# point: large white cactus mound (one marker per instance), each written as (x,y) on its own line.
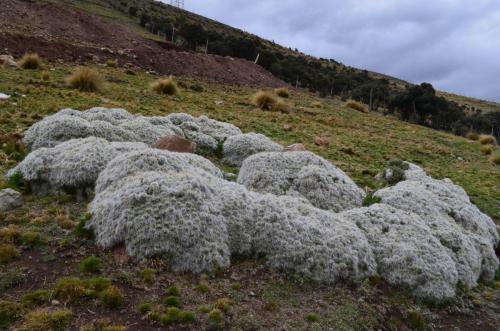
(72,165)
(468,235)
(301,174)
(119,125)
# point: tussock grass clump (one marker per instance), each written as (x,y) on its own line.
(215,319)
(187,317)
(495,158)
(10,233)
(8,252)
(145,308)
(317,104)
(112,297)
(112,63)
(30,61)
(91,264)
(224,304)
(148,276)
(36,298)
(45,319)
(97,284)
(486,139)
(171,316)
(172,301)
(45,76)
(312,317)
(356,106)
(86,80)
(282,92)
(31,239)
(202,288)
(173,291)
(486,149)
(471,135)
(70,289)
(9,313)
(282,107)
(264,100)
(166,86)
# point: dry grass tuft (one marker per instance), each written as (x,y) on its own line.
(282,107)
(30,61)
(265,100)
(471,135)
(356,106)
(485,139)
(486,149)
(8,252)
(166,86)
(112,63)
(282,92)
(85,80)
(45,319)
(495,158)
(317,104)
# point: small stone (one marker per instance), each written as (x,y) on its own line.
(322,141)
(175,143)
(295,148)
(8,61)
(287,127)
(10,199)
(55,302)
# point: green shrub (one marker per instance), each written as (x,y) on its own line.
(173,291)
(370,199)
(215,319)
(145,308)
(31,239)
(37,298)
(148,276)
(202,288)
(187,317)
(81,231)
(16,182)
(312,317)
(97,284)
(85,80)
(166,86)
(91,264)
(171,316)
(9,313)
(70,289)
(45,319)
(30,61)
(8,252)
(112,297)
(172,301)
(112,63)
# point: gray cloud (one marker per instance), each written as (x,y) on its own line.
(453,44)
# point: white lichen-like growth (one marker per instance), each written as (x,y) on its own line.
(468,234)
(301,174)
(237,148)
(72,165)
(197,220)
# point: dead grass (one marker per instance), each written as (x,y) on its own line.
(495,158)
(86,80)
(166,86)
(112,63)
(46,320)
(8,252)
(264,100)
(485,139)
(30,61)
(282,92)
(486,149)
(356,106)
(471,135)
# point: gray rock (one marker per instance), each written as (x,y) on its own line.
(10,199)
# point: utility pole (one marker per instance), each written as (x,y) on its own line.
(173,33)
(206,48)
(371,98)
(177,3)
(257,58)
(297,82)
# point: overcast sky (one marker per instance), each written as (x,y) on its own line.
(453,44)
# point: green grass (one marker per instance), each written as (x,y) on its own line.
(375,139)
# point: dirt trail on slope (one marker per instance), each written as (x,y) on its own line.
(62,32)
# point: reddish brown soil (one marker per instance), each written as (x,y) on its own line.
(62,32)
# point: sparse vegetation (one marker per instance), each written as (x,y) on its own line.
(495,158)
(86,80)
(30,61)
(36,298)
(112,63)
(46,319)
(172,301)
(312,317)
(215,319)
(166,86)
(8,252)
(370,199)
(471,135)
(112,297)
(282,92)
(145,308)
(91,264)
(148,276)
(356,106)
(9,313)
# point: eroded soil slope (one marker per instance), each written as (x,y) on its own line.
(63,32)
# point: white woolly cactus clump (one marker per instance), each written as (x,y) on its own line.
(468,235)
(120,125)
(301,174)
(197,220)
(237,148)
(72,165)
